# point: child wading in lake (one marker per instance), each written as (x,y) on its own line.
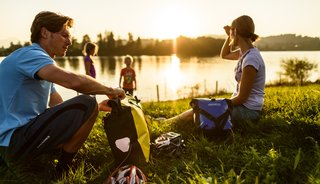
(90,49)
(129,76)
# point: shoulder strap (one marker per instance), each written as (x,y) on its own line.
(242,58)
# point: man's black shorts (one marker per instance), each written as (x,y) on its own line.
(50,129)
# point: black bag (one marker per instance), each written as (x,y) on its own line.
(127,132)
(213,116)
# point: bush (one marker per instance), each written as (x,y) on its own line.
(297,69)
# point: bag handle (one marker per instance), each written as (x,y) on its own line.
(134,101)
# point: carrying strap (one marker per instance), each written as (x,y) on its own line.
(220,121)
(116,105)
(242,58)
(134,101)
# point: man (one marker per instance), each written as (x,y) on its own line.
(28,76)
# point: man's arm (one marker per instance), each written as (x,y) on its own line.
(78,82)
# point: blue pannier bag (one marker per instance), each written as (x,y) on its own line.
(213,117)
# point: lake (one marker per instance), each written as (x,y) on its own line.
(169,77)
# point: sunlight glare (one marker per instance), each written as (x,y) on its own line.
(173,22)
(173,74)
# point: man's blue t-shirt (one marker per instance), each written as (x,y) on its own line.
(23,96)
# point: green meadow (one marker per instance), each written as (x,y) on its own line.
(281,148)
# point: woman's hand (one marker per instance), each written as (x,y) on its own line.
(227,29)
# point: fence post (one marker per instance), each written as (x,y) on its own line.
(216,87)
(158,98)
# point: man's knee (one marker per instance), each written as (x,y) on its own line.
(92,104)
(89,102)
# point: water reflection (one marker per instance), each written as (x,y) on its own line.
(74,62)
(139,61)
(176,78)
(103,64)
(112,65)
(173,75)
(60,61)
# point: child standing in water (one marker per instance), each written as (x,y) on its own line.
(129,76)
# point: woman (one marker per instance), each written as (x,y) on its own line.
(248,98)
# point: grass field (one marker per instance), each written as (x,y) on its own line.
(281,148)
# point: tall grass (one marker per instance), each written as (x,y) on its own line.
(281,148)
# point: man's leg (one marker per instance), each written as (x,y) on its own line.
(71,146)
(65,126)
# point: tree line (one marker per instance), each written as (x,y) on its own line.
(289,42)
(203,46)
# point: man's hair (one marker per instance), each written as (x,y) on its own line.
(51,21)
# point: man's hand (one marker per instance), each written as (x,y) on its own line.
(103,106)
(117,93)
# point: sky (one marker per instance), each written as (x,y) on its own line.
(162,19)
